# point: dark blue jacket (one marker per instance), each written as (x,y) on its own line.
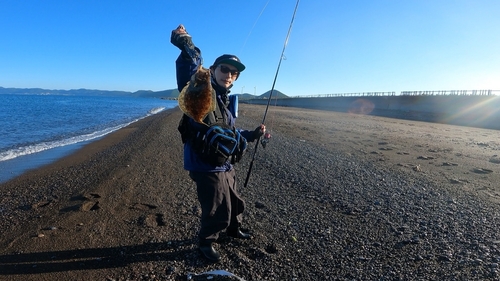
(185,68)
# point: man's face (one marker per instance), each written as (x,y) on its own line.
(225,75)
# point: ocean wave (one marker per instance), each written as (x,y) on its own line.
(156,110)
(39,147)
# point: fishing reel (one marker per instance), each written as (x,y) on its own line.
(265,139)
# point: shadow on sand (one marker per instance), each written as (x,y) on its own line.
(95,258)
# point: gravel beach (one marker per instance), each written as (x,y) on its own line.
(333,196)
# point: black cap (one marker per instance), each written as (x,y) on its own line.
(231,60)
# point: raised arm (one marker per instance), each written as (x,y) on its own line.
(190,57)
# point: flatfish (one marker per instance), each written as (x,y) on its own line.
(197,98)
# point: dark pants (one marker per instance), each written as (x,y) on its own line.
(221,205)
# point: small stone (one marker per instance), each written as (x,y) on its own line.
(259,205)
(444,258)
(170,270)
(415,240)
(477,262)
(272,249)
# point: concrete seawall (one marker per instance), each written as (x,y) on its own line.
(465,110)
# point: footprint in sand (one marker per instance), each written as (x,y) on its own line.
(143,206)
(89,203)
(481,171)
(89,206)
(425,157)
(152,220)
(495,159)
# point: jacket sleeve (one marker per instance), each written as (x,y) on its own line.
(248,135)
(186,66)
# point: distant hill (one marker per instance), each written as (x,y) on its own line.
(81,92)
(276,94)
(168,94)
(245,96)
(165,94)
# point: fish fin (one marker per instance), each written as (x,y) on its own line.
(213,101)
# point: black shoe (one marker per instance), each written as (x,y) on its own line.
(209,252)
(236,233)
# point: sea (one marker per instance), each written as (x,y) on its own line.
(37,129)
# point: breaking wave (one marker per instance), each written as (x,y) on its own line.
(42,146)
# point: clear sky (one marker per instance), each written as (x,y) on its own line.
(335,46)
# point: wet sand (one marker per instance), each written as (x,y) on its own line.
(333,196)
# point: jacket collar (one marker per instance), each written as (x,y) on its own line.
(222,92)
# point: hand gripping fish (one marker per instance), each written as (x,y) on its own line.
(197,98)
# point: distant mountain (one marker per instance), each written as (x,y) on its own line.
(168,94)
(245,96)
(81,92)
(165,94)
(276,95)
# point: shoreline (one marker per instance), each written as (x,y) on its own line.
(15,167)
(333,196)
(74,153)
(12,168)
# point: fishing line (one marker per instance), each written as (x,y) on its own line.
(255,23)
(271,93)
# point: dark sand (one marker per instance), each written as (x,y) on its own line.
(333,196)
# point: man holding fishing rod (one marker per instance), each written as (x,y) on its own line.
(215,179)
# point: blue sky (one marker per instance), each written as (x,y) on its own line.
(336,46)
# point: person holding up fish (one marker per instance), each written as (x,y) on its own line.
(212,144)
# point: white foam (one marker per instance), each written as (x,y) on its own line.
(156,110)
(39,147)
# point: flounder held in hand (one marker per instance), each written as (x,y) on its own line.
(197,98)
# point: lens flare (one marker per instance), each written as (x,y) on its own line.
(469,111)
(361,106)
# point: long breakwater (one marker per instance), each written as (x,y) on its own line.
(474,108)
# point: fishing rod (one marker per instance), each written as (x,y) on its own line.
(271,93)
